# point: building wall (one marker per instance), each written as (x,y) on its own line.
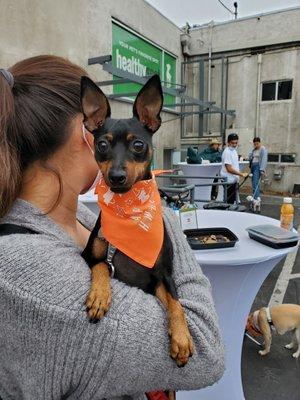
(277,123)
(80,29)
(148,22)
(261,30)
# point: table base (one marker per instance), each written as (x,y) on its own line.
(233,293)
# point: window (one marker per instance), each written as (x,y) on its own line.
(273,157)
(288,158)
(285,90)
(277,90)
(268,91)
(282,158)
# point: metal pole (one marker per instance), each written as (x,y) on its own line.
(226,100)
(201,96)
(235,4)
(182,101)
(222,97)
(259,62)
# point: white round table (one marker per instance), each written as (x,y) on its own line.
(236,274)
(204,170)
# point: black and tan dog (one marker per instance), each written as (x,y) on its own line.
(123,151)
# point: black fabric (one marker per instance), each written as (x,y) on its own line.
(87,253)
(11,229)
(216,205)
(232,193)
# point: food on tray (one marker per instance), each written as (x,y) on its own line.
(209,239)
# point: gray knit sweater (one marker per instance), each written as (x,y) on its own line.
(48,348)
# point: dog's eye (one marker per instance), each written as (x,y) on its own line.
(102,146)
(138,146)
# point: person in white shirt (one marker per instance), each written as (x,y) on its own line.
(230,167)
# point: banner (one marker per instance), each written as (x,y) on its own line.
(133,54)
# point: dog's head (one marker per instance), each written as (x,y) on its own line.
(250,321)
(250,326)
(123,147)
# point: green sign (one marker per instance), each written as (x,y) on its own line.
(133,54)
(169,76)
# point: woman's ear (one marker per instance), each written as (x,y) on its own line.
(148,104)
(94,103)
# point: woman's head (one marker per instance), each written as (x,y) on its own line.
(256,143)
(36,117)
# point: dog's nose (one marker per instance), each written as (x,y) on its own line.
(117,177)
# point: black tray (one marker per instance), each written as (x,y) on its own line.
(190,233)
(272,244)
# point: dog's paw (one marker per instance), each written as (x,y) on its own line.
(98,302)
(296,355)
(263,352)
(171,395)
(182,347)
(289,346)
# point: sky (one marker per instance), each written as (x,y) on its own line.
(203,11)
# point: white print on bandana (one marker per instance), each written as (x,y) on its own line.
(136,210)
(148,215)
(142,218)
(107,197)
(143,196)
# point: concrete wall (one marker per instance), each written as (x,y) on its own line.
(79,29)
(32,27)
(276,122)
(261,30)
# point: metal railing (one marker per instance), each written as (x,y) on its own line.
(181,188)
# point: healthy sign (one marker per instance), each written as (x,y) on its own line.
(136,55)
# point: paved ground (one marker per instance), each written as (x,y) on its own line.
(277,375)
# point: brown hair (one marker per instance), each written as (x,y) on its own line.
(34,117)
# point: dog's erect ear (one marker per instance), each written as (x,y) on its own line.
(94,103)
(148,104)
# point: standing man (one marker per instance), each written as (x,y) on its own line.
(258,159)
(230,167)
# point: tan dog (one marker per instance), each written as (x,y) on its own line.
(283,318)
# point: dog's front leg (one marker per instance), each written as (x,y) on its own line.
(266,331)
(99,297)
(267,344)
(182,346)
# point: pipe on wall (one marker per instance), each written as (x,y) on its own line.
(209,73)
(259,63)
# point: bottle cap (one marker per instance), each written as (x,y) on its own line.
(288,200)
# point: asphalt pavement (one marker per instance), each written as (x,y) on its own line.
(275,376)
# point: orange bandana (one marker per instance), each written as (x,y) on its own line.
(132,221)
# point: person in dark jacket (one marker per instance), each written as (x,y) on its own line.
(211,153)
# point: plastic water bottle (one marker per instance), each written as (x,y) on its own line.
(287,213)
